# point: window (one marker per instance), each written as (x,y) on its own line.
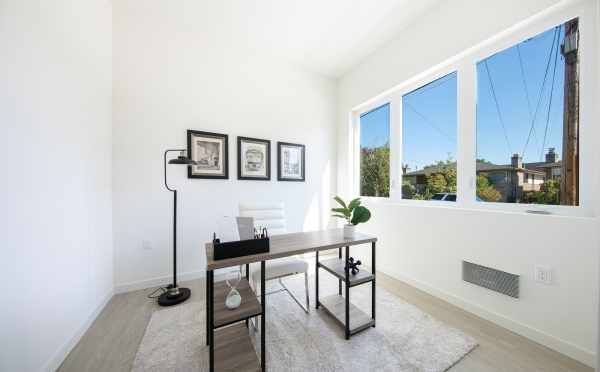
(528,120)
(493,128)
(375,152)
(429,141)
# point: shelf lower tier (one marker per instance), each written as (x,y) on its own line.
(234,350)
(335,305)
(250,306)
(335,266)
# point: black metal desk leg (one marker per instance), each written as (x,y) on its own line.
(248,279)
(317,280)
(347,282)
(373,283)
(263,330)
(211,315)
(207,308)
(340,280)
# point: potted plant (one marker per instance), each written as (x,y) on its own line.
(353,213)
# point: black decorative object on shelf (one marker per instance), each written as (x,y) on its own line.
(353,266)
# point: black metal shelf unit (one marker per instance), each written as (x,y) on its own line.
(221,322)
(339,306)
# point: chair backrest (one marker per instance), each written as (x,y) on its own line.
(269,215)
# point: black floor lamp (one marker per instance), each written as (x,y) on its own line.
(175,295)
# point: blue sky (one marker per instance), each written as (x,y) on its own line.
(429,113)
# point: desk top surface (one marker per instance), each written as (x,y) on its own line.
(286,245)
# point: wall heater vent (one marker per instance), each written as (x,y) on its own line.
(489,278)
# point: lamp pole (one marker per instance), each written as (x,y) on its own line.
(174,294)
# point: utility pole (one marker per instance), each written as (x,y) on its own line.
(569,180)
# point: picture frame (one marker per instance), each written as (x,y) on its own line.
(291,161)
(253,159)
(211,152)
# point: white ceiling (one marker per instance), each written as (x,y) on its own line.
(325,36)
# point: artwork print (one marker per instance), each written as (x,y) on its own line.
(291,158)
(254,159)
(210,152)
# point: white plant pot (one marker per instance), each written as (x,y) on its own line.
(349,231)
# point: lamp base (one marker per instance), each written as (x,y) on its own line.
(174,296)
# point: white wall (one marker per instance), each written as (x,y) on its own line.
(172,72)
(56,270)
(425,245)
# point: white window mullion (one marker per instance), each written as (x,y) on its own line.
(355,154)
(396,148)
(467,133)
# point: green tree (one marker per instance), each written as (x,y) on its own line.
(549,193)
(486,191)
(441,179)
(408,190)
(375,171)
(436,183)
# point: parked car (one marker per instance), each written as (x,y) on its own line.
(445,196)
(450,196)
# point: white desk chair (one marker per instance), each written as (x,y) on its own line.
(272,216)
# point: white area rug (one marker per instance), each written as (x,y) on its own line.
(405,338)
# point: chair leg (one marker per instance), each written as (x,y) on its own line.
(306,309)
(306,290)
(254,320)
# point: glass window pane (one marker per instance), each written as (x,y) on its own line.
(375,152)
(429,140)
(527,102)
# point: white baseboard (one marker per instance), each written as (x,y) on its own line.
(564,347)
(158,281)
(60,355)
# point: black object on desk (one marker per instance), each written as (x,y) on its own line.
(239,248)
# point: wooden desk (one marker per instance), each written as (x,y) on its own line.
(232,349)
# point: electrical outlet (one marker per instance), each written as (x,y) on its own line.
(543,274)
(146,245)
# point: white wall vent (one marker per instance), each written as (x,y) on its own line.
(486,277)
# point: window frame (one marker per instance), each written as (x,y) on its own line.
(356,114)
(465,66)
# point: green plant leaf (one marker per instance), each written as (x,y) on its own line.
(360,215)
(354,203)
(340,201)
(343,211)
(339,215)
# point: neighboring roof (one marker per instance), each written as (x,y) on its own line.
(487,167)
(432,169)
(542,164)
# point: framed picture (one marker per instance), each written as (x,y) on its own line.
(210,151)
(254,159)
(290,161)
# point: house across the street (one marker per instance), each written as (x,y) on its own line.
(511,180)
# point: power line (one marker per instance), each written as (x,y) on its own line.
(527,89)
(555,38)
(497,105)
(523,78)
(429,86)
(429,122)
(550,101)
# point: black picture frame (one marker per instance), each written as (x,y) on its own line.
(210,137)
(267,159)
(280,159)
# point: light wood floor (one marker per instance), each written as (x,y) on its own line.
(113,339)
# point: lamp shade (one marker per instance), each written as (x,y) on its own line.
(183,160)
